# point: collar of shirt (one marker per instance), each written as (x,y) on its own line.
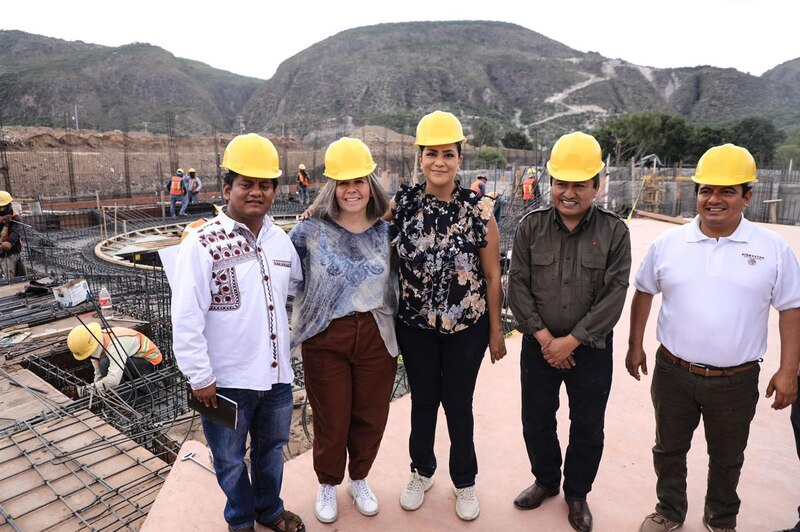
(423,193)
(742,233)
(584,223)
(229,224)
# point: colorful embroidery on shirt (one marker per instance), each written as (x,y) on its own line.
(225,295)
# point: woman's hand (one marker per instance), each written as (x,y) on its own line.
(497,346)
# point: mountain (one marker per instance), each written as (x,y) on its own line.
(42,79)
(391,74)
(387,74)
(788,72)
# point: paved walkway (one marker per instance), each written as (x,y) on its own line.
(624,491)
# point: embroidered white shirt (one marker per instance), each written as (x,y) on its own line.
(229,317)
(717,292)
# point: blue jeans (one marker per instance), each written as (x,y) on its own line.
(266,416)
(172,201)
(303,195)
(588,385)
(442,369)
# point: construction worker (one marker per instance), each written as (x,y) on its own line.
(479,185)
(10,237)
(302,183)
(718,276)
(177,191)
(231,333)
(567,284)
(192,185)
(530,187)
(117,355)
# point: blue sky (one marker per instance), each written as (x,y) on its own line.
(253,37)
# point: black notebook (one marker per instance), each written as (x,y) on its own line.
(226,414)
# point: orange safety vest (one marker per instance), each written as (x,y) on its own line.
(176,186)
(147,349)
(527,188)
(476,186)
(302,180)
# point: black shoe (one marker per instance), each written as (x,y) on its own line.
(533,496)
(579,517)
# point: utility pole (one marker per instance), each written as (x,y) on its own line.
(145,126)
(77,127)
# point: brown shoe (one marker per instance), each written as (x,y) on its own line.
(579,517)
(532,497)
(716,528)
(656,522)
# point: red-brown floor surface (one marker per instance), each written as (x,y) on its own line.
(623,493)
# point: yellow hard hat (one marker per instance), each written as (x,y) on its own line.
(179,171)
(252,155)
(82,340)
(5,198)
(531,170)
(192,171)
(725,165)
(575,157)
(301,166)
(438,128)
(348,158)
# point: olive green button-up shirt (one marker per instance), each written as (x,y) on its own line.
(570,282)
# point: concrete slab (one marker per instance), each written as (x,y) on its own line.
(624,491)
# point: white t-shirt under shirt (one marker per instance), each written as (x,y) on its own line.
(716,293)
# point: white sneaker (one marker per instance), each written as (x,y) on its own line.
(365,500)
(467,503)
(414,493)
(326,510)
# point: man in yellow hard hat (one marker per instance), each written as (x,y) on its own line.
(567,284)
(302,183)
(718,277)
(530,187)
(231,332)
(117,355)
(10,237)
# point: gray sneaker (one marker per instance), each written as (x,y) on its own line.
(656,522)
(414,493)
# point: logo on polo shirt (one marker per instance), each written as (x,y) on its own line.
(752,260)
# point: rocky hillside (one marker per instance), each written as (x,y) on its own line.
(387,74)
(43,79)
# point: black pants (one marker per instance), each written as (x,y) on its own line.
(588,385)
(727,406)
(442,369)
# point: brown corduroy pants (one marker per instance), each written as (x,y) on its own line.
(349,376)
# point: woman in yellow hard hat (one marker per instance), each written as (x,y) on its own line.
(10,238)
(449,307)
(302,183)
(343,323)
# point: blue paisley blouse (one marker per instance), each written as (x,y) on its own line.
(442,287)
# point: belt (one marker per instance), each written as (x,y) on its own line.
(706,371)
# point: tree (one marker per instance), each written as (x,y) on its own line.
(489,158)
(517,140)
(485,133)
(759,136)
(705,137)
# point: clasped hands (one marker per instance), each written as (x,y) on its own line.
(558,352)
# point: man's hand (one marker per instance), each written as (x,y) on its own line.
(784,384)
(5,246)
(207,395)
(559,351)
(636,359)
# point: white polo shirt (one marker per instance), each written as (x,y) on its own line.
(716,294)
(229,318)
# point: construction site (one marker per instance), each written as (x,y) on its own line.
(95,216)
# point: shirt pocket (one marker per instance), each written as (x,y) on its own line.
(544,271)
(594,270)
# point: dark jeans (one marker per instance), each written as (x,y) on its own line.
(265,415)
(349,378)
(442,369)
(588,386)
(727,406)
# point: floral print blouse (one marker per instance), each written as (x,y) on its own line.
(442,287)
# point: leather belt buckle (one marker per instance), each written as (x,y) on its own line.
(703,369)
